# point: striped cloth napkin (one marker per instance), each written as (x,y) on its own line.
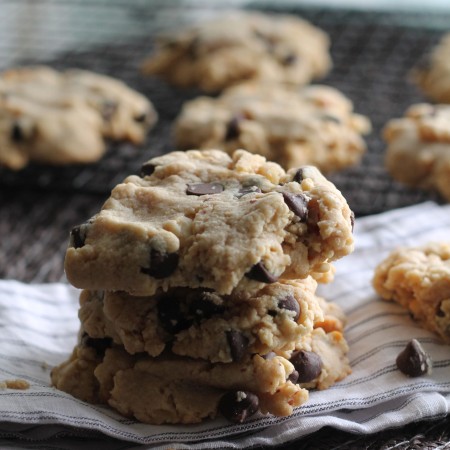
(38,327)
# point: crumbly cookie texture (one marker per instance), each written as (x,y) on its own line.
(241,46)
(419,279)
(418,152)
(433,75)
(202,324)
(203,219)
(63,117)
(310,125)
(176,389)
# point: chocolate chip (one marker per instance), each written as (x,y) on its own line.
(238,406)
(171,316)
(98,344)
(248,190)
(147,169)
(233,130)
(78,235)
(291,304)
(259,273)
(17,134)
(298,176)
(109,108)
(307,364)
(439,311)
(141,118)
(238,344)
(204,188)
(330,118)
(352,219)
(293,377)
(161,264)
(413,361)
(207,305)
(298,204)
(290,59)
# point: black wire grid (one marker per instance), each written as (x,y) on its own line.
(373,54)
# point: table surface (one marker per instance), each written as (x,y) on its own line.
(373,53)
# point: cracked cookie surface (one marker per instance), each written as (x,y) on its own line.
(203,219)
(419,279)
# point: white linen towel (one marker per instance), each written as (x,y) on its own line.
(39,324)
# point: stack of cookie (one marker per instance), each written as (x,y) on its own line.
(199,281)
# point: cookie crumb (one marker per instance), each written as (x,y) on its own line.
(15,384)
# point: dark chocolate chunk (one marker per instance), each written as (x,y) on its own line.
(290,59)
(238,406)
(161,264)
(330,118)
(352,219)
(17,134)
(298,176)
(141,118)
(171,316)
(291,304)
(259,273)
(238,344)
(98,344)
(439,311)
(206,305)
(233,131)
(109,108)
(204,188)
(413,360)
(307,364)
(147,169)
(298,204)
(293,377)
(248,190)
(78,236)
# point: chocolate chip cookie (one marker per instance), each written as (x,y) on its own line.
(433,74)
(207,220)
(240,46)
(418,152)
(203,324)
(419,279)
(63,117)
(177,389)
(311,125)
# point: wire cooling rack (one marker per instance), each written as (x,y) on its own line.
(373,54)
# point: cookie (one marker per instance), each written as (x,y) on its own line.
(311,125)
(203,324)
(419,279)
(63,117)
(176,389)
(433,74)
(207,220)
(240,46)
(418,151)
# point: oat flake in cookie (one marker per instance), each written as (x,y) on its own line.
(239,46)
(419,279)
(292,126)
(418,152)
(203,219)
(63,117)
